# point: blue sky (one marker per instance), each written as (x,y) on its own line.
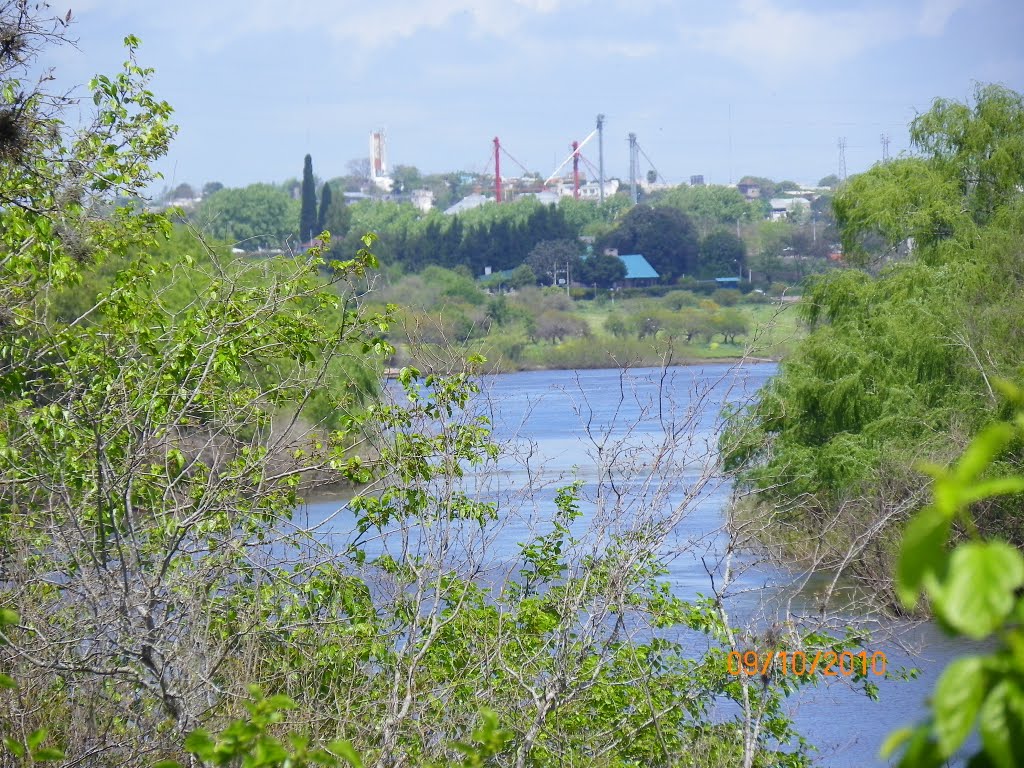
(725,88)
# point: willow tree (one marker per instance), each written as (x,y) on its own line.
(904,343)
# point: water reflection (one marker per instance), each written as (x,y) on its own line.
(560,426)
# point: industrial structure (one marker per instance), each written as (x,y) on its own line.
(578,183)
(379,161)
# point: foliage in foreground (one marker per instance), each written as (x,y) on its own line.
(156,560)
(974,588)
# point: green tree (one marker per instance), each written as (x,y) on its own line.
(769,241)
(256,217)
(899,362)
(694,323)
(554,261)
(730,323)
(664,236)
(769,188)
(308,213)
(602,269)
(711,207)
(722,254)
(522,276)
(978,146)
(324,210)
(183,192)
(406,178)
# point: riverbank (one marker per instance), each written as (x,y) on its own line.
(545,329)
(393,373)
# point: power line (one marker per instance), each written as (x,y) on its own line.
(650,162)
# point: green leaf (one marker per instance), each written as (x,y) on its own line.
(922,752)
(6,681)
(167,764)
(978,591)
(16,748)
(986,489)
(48,755)
(199,742)
(983,448)
(36,738)
(922,552)
(7,616)
(958,696)
(346,751)
(894,741)
(1002,725)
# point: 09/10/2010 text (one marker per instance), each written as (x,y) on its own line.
(828,663)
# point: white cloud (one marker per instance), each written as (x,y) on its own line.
(214,25)
(776,38)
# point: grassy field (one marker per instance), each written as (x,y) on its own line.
(772,330)
(441,313)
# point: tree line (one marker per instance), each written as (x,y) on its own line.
(699,232)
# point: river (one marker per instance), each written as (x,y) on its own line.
(556,418)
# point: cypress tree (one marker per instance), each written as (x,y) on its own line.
(325,208)
(307,215)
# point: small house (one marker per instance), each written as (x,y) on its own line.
(639,271)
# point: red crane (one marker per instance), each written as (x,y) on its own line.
(575,157)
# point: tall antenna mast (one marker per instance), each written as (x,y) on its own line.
(885,147)
(576,170)
(633,163)
(600,157)
(842,158)
(497,170)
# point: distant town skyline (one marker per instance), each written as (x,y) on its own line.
(725,89)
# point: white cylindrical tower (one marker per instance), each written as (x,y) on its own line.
(378,154)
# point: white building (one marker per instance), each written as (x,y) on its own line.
(784,207)
(423,199)
(467,203)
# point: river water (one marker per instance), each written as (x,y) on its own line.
(561,425)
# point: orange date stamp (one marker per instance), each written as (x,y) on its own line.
(827,663)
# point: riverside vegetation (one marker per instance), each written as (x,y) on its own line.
(161,603)
(911,352)
(903,349)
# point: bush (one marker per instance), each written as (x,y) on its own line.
(679,299)
(505,351)
(616,325)
(727,297)
(555,326)
(538,300)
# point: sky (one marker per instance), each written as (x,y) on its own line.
(723,89)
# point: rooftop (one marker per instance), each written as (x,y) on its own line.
(637,267)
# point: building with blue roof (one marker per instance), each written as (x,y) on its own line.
(638,269)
